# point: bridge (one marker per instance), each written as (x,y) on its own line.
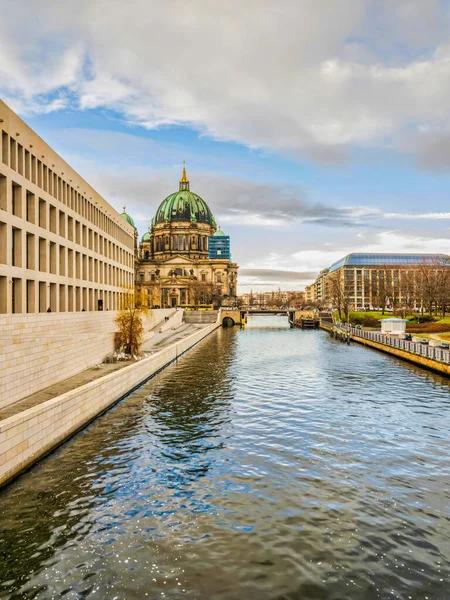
(297,318)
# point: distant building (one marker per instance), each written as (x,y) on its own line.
(319,286)
(219,246)
(275,298)
(370,280)
(310,293)
(184,258)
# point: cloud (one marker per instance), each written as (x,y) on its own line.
(277,275)
(140,172)
(311,261)
(233,200)
(418,217)
(433,152)
(301,77)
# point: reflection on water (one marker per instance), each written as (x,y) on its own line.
(267,463)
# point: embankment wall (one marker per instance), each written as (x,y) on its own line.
(38,350)
(27,436)
(421,361)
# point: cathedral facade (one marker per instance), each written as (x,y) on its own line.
(184,259)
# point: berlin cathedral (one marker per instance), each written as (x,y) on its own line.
(184,259)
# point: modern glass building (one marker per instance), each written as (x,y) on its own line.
(371,260)
(219,246)
(375,280)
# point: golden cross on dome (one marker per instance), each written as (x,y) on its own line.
(184,181)
(184,178)
(124,208)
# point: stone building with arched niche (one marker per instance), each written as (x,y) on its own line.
(184,258)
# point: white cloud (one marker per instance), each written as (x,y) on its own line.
(315,260)
(418,217)
(297,76)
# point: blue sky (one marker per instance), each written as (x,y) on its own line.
(311,129)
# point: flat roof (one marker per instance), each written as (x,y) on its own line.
(389,260)
(394,319)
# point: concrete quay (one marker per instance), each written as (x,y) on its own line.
(40,349)
(433,359)
(37,424)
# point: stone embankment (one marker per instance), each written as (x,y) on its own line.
(38,423)
(41,349)
(433,358)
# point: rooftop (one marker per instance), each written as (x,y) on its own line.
(389,260)
(393,320)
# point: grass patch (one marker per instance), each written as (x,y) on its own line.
(372,318)
(369,318)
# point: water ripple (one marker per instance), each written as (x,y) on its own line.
(266,463)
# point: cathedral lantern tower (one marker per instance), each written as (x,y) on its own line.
(184,181)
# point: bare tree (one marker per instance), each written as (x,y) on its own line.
(434,286)
(202,292)
(296,299)
(339,294)
(408,290)
(130,329)
(383,291)
(443,289)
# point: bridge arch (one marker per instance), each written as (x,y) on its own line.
(228,322)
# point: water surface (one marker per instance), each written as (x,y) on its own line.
(266,464)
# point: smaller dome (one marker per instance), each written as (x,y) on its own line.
(219,233)
(127,217)
(146,237)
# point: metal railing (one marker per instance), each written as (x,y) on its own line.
(433,353)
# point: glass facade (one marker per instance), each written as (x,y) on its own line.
(374,260)
(219,247)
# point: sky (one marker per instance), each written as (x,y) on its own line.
(311,128)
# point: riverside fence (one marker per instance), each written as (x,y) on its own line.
(416,348)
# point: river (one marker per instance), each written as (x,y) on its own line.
(266,463)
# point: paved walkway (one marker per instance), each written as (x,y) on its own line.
(156,343)
(160,340)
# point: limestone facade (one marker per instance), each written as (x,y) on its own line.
(62,246)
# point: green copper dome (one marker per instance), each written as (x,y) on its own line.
(219,233)
(127,218)
(146,237)
(184,205)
